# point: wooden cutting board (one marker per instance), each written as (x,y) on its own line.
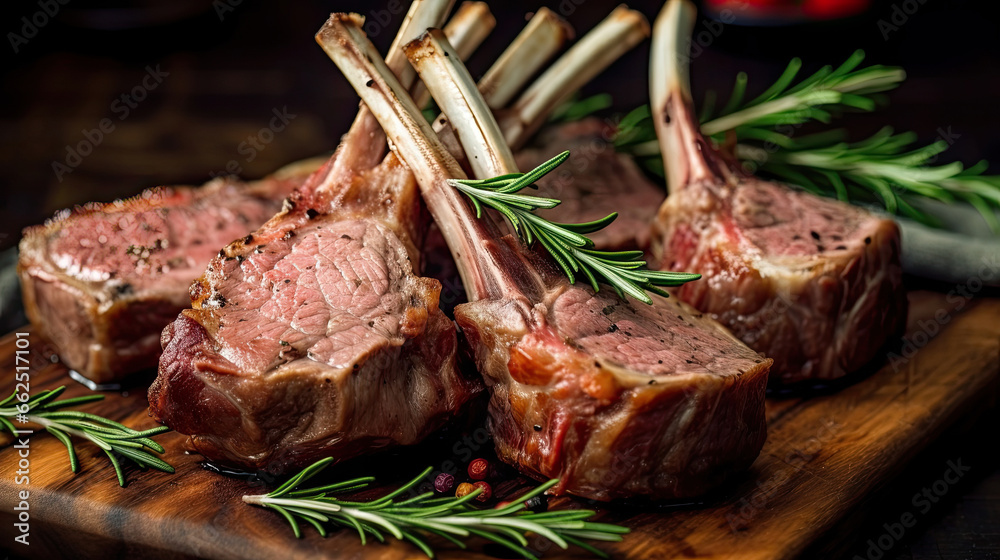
(824,454)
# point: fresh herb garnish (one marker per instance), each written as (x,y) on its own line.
(414,518)
(814,98)
(576,108)
(567,243)
(818,97)
(885,169)
(112,437)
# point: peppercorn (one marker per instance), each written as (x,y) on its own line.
(479,469)
(444,482)
(538,504)
(464,489)
(486,493)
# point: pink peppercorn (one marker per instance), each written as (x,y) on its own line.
(486,493)
(479,469)
(444,482)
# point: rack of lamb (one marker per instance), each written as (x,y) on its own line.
(614,398)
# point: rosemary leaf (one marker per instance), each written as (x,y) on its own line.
(112,437)
(413,519)
(567,243)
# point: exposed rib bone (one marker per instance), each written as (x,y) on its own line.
(670,91)
(486,149)
(422,14)
(418,145)
(364,144)
(454,89)
(467,29)
(539,41)
(668,57)
(613,37)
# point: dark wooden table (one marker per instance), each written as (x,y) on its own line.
(830,457)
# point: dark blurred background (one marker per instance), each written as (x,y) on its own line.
(229,63)
(202,77)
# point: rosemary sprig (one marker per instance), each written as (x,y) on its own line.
(576,108)
(883,168)
(568,244)
(413,519)
(829,89)
(112,437)
(818,97)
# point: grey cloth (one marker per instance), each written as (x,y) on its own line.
(966,252)
(11,311)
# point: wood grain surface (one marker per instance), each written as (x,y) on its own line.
(824,454)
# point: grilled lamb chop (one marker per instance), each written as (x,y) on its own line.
(314,337)
(813,283)
(102,281)
(594,179)
(615,400)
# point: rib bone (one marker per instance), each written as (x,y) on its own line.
(428,55)
(539,41)
(670,91)
(467,29)
(613,37)
(363,145)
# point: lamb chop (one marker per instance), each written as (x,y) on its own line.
(813,283)
(101,281)
(612,398)
(314,336)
